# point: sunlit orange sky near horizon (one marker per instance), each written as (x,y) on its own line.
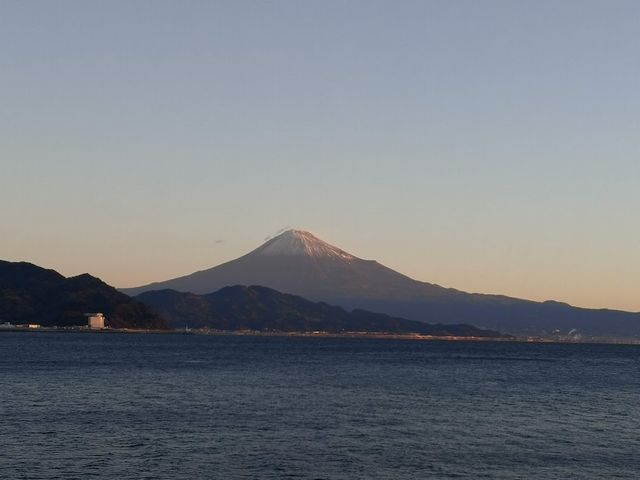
(488,146)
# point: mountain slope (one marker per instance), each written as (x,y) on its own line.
(31,294)
(265,309)
(297,262)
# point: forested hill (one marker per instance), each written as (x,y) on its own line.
(265,309)
(32,294)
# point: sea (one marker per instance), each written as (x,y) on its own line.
(171,406)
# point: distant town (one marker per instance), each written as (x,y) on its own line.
(97,323)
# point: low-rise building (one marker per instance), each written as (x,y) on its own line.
(95,320)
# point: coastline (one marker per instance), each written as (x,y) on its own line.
(373,335)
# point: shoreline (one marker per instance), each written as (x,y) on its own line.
(374,335)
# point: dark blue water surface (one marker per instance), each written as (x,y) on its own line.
(115,406)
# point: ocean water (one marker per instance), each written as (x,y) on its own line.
(116,406)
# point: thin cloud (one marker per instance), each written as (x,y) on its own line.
(282,230)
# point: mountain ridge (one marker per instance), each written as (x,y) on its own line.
(351,282)
(260,308)
(33,294)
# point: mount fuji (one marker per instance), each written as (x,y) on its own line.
(297,262)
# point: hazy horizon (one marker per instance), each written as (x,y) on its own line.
(489,146)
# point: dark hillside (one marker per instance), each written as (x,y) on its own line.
(264,309)
(31,294)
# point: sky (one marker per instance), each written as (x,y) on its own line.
(488,146)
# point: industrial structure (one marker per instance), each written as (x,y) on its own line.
(95,320)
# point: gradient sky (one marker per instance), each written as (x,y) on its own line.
(491,146)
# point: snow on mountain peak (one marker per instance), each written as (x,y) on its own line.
(300,243)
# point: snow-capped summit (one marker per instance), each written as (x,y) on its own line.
(300,243)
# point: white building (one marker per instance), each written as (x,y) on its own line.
(95,320)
